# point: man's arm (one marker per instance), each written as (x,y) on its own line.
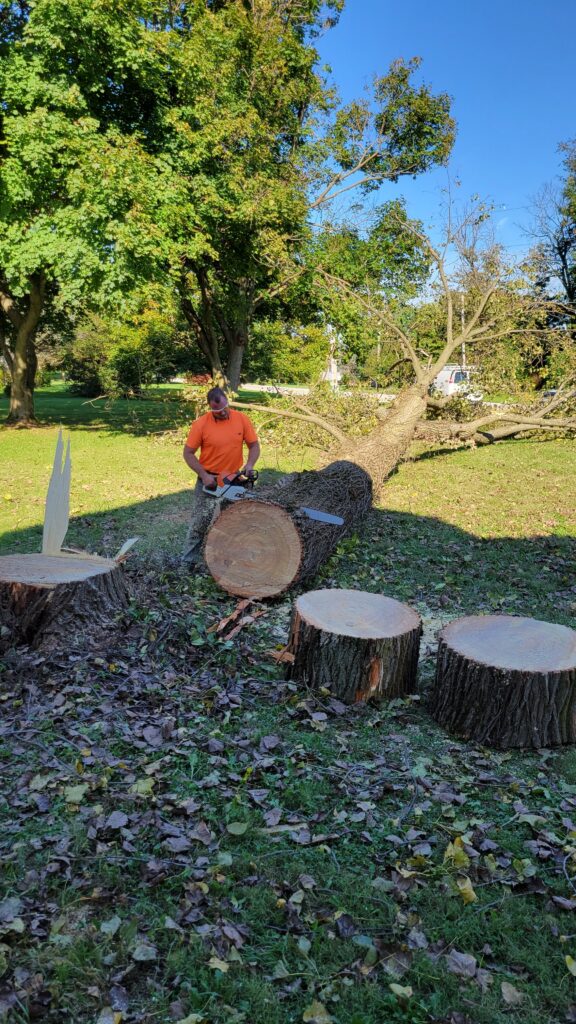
(190,459)
(253,456)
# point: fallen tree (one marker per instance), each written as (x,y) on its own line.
(495,309)
(267,542)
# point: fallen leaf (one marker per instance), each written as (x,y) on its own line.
(571,964)
(111,927)
(202,834)
(218,965)
(75,794)
(143,787)
(109,1016)
(237,828)
(462,964)
(38,783)
(144,952)
(10,908)
(403,993)
(465,889)
(178,844)
(116,820)
(317,1013)
(511,995)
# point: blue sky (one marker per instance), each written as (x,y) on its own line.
(510,68)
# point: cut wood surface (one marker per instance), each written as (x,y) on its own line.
(357,645)
(263,544)
(42,596)
(506,681)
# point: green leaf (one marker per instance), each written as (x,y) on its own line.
(317,1013)
(75,794)
(237,828)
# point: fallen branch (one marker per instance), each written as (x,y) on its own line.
(342,438)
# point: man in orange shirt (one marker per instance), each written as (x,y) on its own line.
(220,435)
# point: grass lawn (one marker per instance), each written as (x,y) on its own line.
(186,837)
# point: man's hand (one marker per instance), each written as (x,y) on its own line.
(247,471)
(209,481)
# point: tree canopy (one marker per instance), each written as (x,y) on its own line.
(190,142)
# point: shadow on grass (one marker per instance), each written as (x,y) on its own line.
(159,412)
(420,560)
(160,523)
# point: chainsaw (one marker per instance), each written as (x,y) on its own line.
(235,487)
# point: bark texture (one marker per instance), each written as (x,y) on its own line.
(357,645)
(380,452)
(506,681)
(264,544)
(44,597)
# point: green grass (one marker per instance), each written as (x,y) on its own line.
(250,922)
(127,461)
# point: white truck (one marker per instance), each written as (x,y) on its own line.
(454,380)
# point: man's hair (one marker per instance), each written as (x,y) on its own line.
(216,395)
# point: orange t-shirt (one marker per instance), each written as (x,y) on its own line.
(221,442)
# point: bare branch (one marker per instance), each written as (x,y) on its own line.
(381,315)
(309,418)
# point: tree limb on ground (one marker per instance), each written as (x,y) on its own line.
(309,418)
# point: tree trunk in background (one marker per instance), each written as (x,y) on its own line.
(24,359)
(23,374)
(236,352)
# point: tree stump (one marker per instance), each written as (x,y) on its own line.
(506,681)
(263,544)
(357,645)
(45,596)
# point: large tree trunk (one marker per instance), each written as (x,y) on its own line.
(380,452)
(360,646)
(23,360)
(506,681)
(47,597)
(264,543)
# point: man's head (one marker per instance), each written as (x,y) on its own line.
(218,403)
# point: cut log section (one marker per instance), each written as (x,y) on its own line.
(263,544)
(506,681)
(355,644)
(44,596)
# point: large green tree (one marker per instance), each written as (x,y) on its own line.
(75,175)
(194,141)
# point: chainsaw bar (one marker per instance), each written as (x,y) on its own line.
(321,517)
(234,493)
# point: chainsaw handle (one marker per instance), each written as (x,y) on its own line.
(243,479)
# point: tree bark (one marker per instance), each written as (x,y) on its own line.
(506,681)
(46,597)
(357,645)
(380,452)
(236,352)
(23,363)
(264,543)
